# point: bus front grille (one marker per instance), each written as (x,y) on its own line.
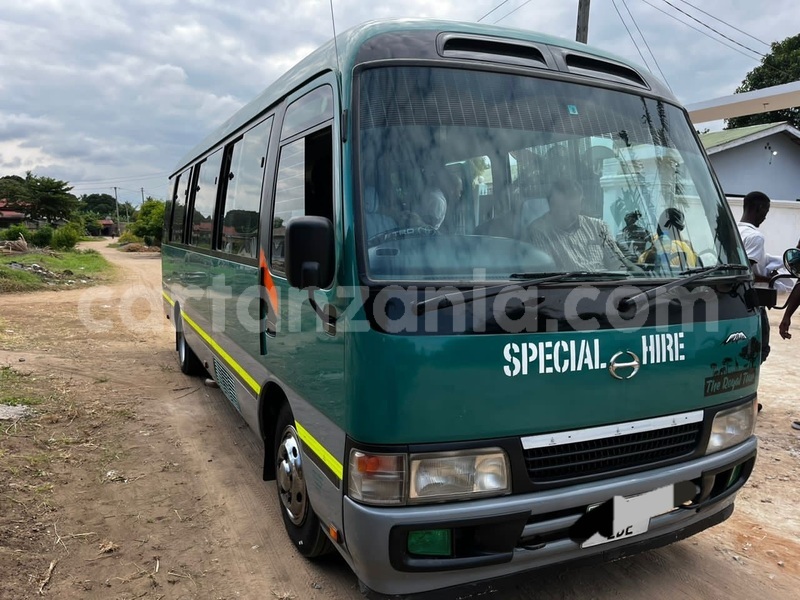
(555,463)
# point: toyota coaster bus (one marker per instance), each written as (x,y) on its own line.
(480,293)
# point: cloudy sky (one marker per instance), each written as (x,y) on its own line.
(105,93)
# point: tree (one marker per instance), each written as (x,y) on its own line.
(102,204)
(126,211)
(91,222)
(781,65)
(12,188)
(150,220)
(39,197)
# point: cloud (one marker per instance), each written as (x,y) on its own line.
(95,90)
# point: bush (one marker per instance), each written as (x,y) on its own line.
(12,233)
(93,227)
(128,237)
(42,237)
(150,221)
(65,238)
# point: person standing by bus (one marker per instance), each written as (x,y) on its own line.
(755,209)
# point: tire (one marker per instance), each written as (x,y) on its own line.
(187,359)
(302,524)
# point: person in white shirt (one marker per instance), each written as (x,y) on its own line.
(756,207)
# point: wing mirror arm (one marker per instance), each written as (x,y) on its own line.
(768,296)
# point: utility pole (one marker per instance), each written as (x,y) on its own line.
(142,195)
(582,31)
(116,202)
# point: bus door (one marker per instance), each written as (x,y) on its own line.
(303,350)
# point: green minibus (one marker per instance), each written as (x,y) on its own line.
(480,294)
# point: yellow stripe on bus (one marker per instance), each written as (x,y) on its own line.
(334,465)
(227,357)
(318,449)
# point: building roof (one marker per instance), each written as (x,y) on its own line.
(9,214)
(717,141)
(776,97)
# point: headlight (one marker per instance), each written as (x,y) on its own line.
(454,475)
(731,427)
(383,479)
(377,478)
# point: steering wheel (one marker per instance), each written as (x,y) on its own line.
(399,234)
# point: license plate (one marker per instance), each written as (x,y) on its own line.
(632,514)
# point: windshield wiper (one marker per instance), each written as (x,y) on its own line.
(526,279)
(690,276)
(571,275)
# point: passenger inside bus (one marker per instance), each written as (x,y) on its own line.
(430,208)
(667,248)
(573,240)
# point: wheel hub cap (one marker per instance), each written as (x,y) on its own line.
(291,484)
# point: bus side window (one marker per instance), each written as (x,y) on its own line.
(172,193)
(180,201)
(304,183)
(242,199)
(304,186)
(205,200)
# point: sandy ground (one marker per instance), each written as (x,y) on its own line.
(135,481)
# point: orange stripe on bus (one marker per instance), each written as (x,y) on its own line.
(272,293)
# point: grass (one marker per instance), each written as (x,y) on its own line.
(82,263)
(12,280)
(15,390)
(20,401)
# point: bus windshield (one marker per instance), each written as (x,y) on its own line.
(471,175)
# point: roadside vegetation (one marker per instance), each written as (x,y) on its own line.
(41,269)
(144,233)
(51,216)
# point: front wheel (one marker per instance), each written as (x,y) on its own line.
(302,524)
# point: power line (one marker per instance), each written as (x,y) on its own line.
(697,8)
(512,12)
(491,11)
(644,39)
(127,178)
(763,61)
(719,33)
(671,16)
(619,14)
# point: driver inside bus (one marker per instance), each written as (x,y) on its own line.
(574,241)
(431,208)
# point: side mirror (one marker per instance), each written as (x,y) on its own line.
(309,252)
(791,260)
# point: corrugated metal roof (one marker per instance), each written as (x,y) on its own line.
(717,138)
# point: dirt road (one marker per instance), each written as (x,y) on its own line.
(151,482)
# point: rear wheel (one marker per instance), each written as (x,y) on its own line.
(190,364)
(302,524)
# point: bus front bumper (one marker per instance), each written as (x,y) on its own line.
(498,537)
